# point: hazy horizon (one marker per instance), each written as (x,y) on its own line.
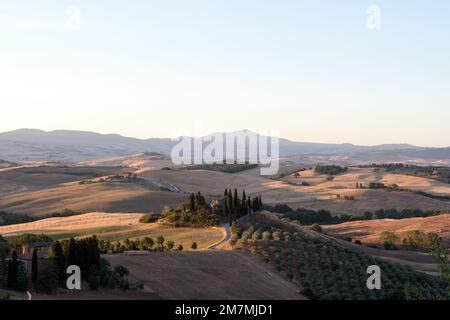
(211,132)
(313,71)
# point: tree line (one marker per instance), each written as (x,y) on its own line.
(306,216)
(145,244)
(331,170)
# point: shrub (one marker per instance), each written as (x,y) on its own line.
(169,245)
(256,235)
(234,239)
(287,236)
(276,235)
(149,218)
(316,228)
(266,235)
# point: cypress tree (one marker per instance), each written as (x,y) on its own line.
(34,267)
(13,271)
(255,204)
(230,202)
(10,276)
(72,252)
(57,252)
(244,206)
(225,207)
(192,202)
(236,199)
(230,199)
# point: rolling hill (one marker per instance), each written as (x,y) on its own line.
(72,146)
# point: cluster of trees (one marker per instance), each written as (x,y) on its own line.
(420,239)
(150,218)
(359,185)
(10,218)
(413,239)
(49,273)
(12,270)
(376,185)
(306,216)
(348,198)
(328,271)
(234,207)
(17,242)
(406,213)
(195,212)
(7,218)
(223,167)
(12,273)
(145,244)
(433,196)
(330,170)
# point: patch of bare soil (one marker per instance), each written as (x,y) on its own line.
(213,275)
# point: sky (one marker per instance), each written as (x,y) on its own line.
(314,71)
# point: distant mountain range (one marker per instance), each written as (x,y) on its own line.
(68,146)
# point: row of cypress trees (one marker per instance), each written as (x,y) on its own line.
(84,253)
(234,207)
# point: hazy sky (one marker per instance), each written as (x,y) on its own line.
(314,71)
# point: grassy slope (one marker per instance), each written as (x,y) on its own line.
(113,227)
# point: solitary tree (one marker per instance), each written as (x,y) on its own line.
(160,242)
(148,243)
(192,202)
(194,246)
